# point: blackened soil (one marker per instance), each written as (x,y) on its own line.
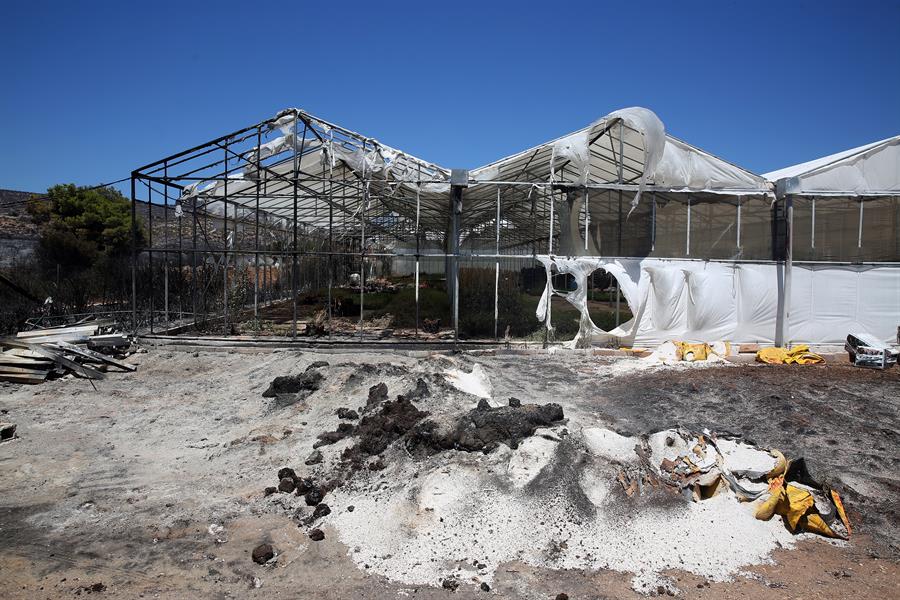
(844,420)
(379,428)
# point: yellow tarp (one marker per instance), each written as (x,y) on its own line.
(799,354)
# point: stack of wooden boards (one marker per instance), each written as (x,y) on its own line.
(32,356)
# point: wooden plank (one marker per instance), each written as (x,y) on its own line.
(22,370)
(108,340)
(89,329)
(94,356)
(57,357)
(22,361)
(19,378)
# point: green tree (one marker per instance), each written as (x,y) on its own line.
(82,226)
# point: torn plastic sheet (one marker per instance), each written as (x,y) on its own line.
(581,269)
(705,301)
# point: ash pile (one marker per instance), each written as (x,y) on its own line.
(430,479)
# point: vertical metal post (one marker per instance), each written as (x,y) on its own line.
(620,177)
(256,234)
(497,271)
(418,244)
(859,239)
(788,269)
(330,237)
(166,243)
(739,223)
(587,218)
(225,244)
(456,207)
(687,248)
(294,236)
(133,259)
(364,194)
(150,249)
(194,260)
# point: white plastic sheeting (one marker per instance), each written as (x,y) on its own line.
(702,301)
(870,169)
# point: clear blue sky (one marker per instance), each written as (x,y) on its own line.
(91,90)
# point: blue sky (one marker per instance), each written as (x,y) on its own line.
(92,90)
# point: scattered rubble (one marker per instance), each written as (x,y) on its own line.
(290,389)
(87,349)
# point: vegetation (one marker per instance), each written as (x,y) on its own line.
(83,259)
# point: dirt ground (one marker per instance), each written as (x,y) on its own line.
(152,484)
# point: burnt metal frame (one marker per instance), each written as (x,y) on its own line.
(366,211)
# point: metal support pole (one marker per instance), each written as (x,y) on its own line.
(133,259)
(296,170)
(256,233)
(194,261)
(456,207)
(225,246)
(418,243)
(497,271)
(150,250)
(166,246)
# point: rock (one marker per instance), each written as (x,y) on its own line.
(303,384)
(316,535)
(270,490)
(420,391)
(485,587)
(377,465)
(376,431)
(286,485)
(7,431)
(314,496)
(304,484)
(515,402)
(286,472)
(332,437)
(347,413)
(484,427)
(351,508)
(321,510)
(450,584)
(317,365)
(263,554)
(431,325)
(483,404)
(562,596)
(314,458)
(377,393)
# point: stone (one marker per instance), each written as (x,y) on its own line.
(351,508)
(303,384)
(314,496)
(377,393)
(314,458)
(562,596)
(7,431)
(270,490)
(286,472)
(450,584)
(263,554)
(316,535)
(515,402)
(485,587)
(347,413)
(286,485)
(321,510)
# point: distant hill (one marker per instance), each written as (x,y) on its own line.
(18,233)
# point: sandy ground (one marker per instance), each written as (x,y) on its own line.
(153,485)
